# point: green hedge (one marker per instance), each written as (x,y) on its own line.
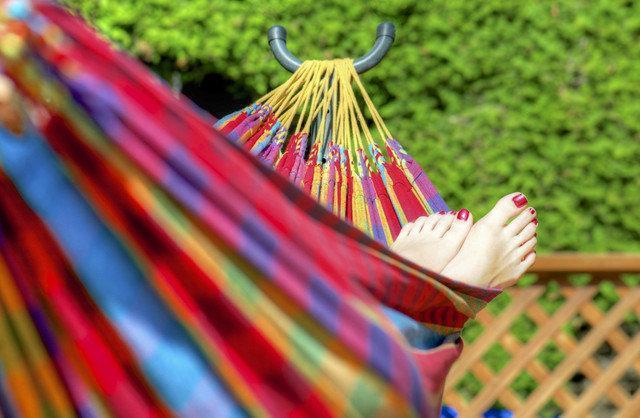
(491,96)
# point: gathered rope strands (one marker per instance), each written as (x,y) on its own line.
(141,275)
(312,130)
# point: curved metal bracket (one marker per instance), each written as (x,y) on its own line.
(385,35)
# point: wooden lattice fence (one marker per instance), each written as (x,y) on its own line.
(557,347)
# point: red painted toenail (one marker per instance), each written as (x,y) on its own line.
(533,211)
(451,212)
(520,200)
(441,212)
(463,215)
(535,221)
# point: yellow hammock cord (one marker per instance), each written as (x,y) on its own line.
(319,86)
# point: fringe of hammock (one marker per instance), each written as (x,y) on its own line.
(365,178)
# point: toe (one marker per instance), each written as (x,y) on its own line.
(526,248)
(521,221)
(526,234)
(526,263)
(506,208)
(521,268)
(404,232)
(460,227)
(443,224)
(420,223)
(431,222)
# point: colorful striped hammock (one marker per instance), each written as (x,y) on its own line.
(142,275)
(336,160)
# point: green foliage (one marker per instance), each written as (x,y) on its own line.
(490,96)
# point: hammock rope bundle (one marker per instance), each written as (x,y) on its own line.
(142,276)
(312,130)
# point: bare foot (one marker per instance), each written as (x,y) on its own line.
(497,252)
(432,241)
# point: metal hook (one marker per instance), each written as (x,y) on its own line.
(385,35)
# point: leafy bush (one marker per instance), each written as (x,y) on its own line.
(490,96)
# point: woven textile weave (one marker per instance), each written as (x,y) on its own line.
(312,130)
(149,266)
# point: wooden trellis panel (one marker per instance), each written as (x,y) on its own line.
(602,393)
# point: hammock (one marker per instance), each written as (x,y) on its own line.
(142,275)
(368,180)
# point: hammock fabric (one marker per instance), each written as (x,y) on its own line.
(372,183)
(142,275)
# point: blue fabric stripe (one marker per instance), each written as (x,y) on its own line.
(414,332)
